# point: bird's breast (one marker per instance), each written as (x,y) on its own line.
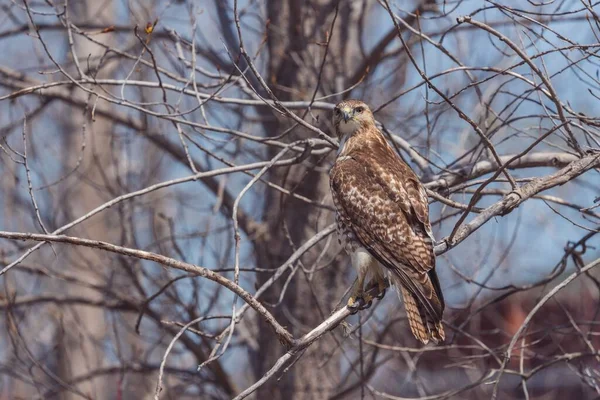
(346,237)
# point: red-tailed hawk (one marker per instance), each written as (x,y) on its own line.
(383,221)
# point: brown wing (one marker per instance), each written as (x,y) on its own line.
(385,207)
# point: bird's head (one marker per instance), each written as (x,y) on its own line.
(351,115)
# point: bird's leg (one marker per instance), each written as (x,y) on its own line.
(362,261)
(359,299)
(355,296)
(380,283)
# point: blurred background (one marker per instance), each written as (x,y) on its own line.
(142,124)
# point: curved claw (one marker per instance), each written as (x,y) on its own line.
(356,304)
(353,308)
(367,305)
(380,295)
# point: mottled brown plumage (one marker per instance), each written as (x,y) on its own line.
(383,219)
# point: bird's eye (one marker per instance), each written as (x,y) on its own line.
(359,109)
(337,111)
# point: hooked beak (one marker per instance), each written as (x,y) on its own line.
(346,114)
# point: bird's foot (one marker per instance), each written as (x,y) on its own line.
(379,283)
(359,302)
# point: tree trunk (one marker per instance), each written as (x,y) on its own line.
(309,297)
(84,327)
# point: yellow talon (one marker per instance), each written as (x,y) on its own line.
(351,301)
(359,299)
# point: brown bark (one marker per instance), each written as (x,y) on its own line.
(309,297)
(83,328)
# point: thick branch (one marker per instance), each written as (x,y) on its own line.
(467,172)
(518,196)
(284,336)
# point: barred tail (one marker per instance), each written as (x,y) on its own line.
(422,325)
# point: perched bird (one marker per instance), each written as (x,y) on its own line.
(382,219)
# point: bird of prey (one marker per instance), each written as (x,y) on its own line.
(382,219)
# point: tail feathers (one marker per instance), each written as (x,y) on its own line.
(423,327)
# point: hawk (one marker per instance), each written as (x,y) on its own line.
(382,218)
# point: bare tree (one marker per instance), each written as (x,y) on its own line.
(167,227)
